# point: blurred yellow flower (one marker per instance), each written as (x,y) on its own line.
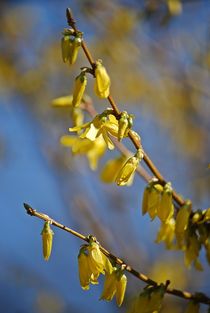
(100,125)
(192,307)
(152,198)
(93,150)
(63,101)
(182,221)
(111,169)
(166,233)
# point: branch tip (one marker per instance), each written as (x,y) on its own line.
(29,209)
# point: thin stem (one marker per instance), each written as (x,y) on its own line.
(198,297)
(116,110)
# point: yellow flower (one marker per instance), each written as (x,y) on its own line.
(175,7)
(115,283)
(103,125)
(166,233)
(84,269)
(75,45)
(127,172)
(66,44)
(193,247)
(92,262)
(47,239)
(149,301)
(102,80)
(152,198)
(63,101)
(192,307)
(77,116)
(111,169)
(166,208)
(70,45)
(93,150)
(79,88)
(182,220)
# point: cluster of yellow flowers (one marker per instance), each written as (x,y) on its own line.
(92,262)
(188,228)
(149,301)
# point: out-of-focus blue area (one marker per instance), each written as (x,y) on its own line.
(27,176)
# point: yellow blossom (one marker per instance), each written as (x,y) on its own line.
(175,7)
(152,198)
(102,80)
(47,239)
(91,263)
(192,307)
(115,283)
(101,125)
(62,101)
(166,208)
(79,88)
(75,45)
(182,220)
(111,169)
(193,247)
(149,301)
(93,150)
(66,44)
(77,116)
(127,172)
(166,233)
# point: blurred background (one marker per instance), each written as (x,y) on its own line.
(158,56)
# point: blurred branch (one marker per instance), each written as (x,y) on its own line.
(198,297)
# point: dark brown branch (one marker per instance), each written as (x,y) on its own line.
(198,297)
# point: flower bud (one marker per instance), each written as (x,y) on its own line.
(64,101)
(128,170)
(102,80)
(66,46)
(47,239)
(120,288)
(76,43)
(79,88)
(123,125)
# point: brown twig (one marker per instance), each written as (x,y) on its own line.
(198,297)
(71,22)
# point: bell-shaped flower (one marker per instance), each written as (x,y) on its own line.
(149,301)
(79,89)
(125,123)
(74,49)
(192,250)
(166,208)
(47,239)
(115,284)
(126,173)
(70,44)
(152,198)
(182,222)
(92,262)
(166,233)
(93,150)
(102,81)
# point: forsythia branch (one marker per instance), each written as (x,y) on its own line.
(197,297)
(137,144)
